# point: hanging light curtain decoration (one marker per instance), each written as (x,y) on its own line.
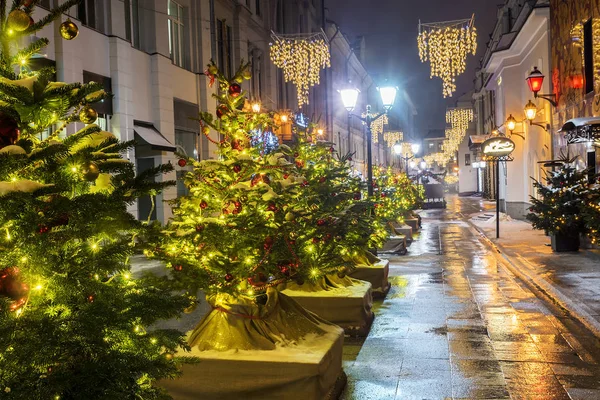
(376,126)
(458,120)
(393,137)
(301,57)
(446,46)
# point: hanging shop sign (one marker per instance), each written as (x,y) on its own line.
(498,147)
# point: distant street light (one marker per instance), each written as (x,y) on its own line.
(350,98)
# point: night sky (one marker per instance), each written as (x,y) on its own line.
(390,29)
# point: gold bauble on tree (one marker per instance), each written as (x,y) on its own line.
(18,20)
(91,172)
(68,30)
(88,115)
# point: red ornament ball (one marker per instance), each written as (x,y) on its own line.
(12,287)
(9,132)
(322,179)
(235,90)
(199,228)
(178,267)
(357,196)
(349,158)
(222,110)
(315,240)
(43,228)
(90,298)
(299,163)
(228,277)
(203,204)
(182,162)
(304,184)
(237,168)
(383,194)
(321,222)
(285,176)
(271,206)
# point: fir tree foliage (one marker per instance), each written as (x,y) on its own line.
(74,323)
(395,195)
(557,210)
(337,221)
(228,235)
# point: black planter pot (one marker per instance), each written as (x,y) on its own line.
(562,243)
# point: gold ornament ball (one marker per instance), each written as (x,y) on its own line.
(91,172)
(169,356)
(18,20)
(88,115)
(68,30)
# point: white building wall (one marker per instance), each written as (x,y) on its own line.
(467,175)
(509,68)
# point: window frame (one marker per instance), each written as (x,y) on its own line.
(176,39)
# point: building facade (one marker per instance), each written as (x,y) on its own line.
(519,43)
(575,74)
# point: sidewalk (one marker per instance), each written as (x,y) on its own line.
(570,279)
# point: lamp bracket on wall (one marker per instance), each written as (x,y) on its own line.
(548,97)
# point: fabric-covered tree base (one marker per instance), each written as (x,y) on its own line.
(309,369)
(346,302)
(376,274)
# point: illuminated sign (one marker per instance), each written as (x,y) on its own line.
(498,147)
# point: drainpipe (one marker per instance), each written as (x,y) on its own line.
(213,31)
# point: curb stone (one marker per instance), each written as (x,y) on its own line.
(524,273)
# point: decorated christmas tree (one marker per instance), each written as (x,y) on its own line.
(338,224)
(74,323)
(233,235)
(557,210)
(395,197)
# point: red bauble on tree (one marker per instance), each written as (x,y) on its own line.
(237,168)
(9,132)
(11,286)
(235,90)
(182,162)
(203,204)
(222,110)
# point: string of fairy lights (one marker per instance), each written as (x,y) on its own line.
(301,58)
(458,120)
(393,137)
(446,45)
(376,126)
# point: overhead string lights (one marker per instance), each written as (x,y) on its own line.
(301,57)
(393,137)
(376,126)
(446,46)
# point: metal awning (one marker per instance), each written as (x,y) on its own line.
(149,134)
(475,141)
(582,130)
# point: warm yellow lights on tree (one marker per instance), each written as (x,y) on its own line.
(446,46)
(301,57)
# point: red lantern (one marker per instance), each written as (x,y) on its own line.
(535,80)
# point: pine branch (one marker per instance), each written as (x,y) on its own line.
(52,15)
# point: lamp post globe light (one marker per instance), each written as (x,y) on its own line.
(415,147)
(350,98)
(398,148)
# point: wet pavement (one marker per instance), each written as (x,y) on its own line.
(458,325)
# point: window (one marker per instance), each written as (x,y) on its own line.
(176,45)
(45,4)
(588,56)
(440,146)
(86,12)
(224,48)
(467,159)
(257,7)
(431,145)
(256,60)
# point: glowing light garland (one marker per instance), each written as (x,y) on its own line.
(446,46)
(301,57)
(376,126)
(391,138)
(458,119)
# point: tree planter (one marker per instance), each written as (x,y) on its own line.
(346,302)
(375,271)
(562,243)
(252,351)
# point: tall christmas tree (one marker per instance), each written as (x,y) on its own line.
(338,224)
(231,236)
(74,323)
(558,208)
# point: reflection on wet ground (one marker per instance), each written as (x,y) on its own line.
(457,325)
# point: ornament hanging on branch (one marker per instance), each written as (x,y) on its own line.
(69,30)
(446,46)
(18,20)
(301,57)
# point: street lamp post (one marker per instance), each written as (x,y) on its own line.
(398,150)
(349,98)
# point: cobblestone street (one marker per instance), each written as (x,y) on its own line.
(458,325)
